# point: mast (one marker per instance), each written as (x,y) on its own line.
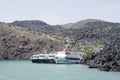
(66,49)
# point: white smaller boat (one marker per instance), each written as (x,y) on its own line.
(65,57)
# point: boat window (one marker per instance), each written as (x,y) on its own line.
(51,56)
(73,58)
(56,57)
(67,53)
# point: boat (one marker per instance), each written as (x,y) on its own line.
(43,58)
(65,57)
(60,57)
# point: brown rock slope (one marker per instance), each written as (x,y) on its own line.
(19,43)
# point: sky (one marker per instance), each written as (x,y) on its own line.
(59,11)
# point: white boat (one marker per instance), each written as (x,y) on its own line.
(65,57)
(60,57)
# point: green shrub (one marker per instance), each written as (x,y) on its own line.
(88,50)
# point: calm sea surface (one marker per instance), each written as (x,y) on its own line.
(26,70)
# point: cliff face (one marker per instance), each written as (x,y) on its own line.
(20,43)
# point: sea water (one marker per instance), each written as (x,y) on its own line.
(26,70)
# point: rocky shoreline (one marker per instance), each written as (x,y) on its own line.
(107,59)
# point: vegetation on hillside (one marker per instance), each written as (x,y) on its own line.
(20,43)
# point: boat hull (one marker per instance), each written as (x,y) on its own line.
(43,60)
(67,61)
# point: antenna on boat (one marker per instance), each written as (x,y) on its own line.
(66,46)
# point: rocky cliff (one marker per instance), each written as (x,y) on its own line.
(107,59)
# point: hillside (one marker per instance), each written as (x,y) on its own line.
(88,23)
(89,29)
(107,59)
(30,23)
(39,26)
(85,30)
(20,43)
